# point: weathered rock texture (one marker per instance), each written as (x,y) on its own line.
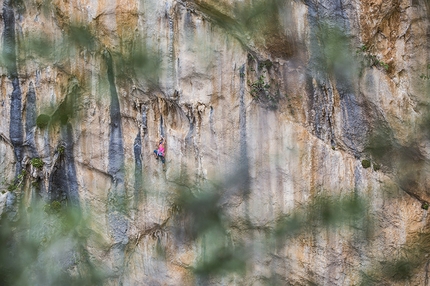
(284,101)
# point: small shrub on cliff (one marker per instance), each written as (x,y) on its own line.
(376,167)
(12,187)
(267,63)
(37,163)
(260,91)
(35,184)
(258,86)
(371,59)
(17,182)
(61,149)
(365,163)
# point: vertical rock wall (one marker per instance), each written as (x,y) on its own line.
(273,112)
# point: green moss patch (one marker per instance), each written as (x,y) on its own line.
(365,163)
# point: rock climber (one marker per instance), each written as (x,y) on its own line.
(159,153)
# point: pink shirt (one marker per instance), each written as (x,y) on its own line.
(161,150)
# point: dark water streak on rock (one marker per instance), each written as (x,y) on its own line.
(329,30)
(244,160)
(30,121)
(116,145)
(9,55)
(116,204)
(138,178)
(63,182)
(38,186)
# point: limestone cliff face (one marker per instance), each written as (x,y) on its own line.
(274,105)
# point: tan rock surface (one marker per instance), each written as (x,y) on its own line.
(303,135)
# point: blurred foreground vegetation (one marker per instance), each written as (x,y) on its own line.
(46,242)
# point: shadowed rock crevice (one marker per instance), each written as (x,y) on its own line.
(38,185)
(138,178)
(192,127)
(321,109)
(116,204)
(30,121)
(338,113)
(116,145)
(161,127)
(244,160)
(9,55)
(63,183)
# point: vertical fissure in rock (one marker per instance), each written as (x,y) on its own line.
(354,125)
(322,106)
(138,180)
(211,120)
(9,55)
(244,160)
(73,189)
(329,113)
(63,182)
(191,120)
(116,204)
(171,47)
(38,186)
(331,64)
(162,126)
(116,146)
(30,121)
(9,41)
(144,120)
(213,134)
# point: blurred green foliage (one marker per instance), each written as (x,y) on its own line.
(381,144)
(322,211)
(426,76)
(201,215)
(80,35)
(53,207)
(253,23)
(46,246)
(42,120)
